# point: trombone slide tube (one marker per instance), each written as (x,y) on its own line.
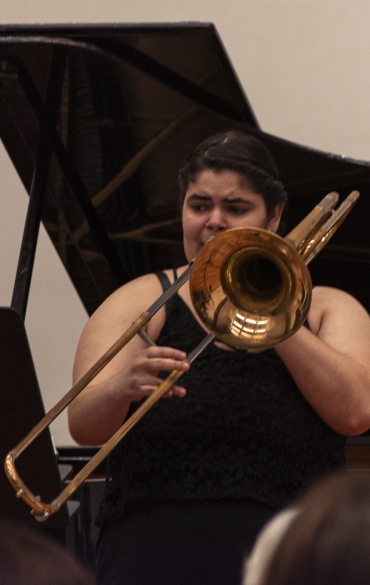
(40,509)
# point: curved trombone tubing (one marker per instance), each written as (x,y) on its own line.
(307,239)
(328,229)
(41,510)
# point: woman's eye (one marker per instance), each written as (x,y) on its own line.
(238,210)
(198,208)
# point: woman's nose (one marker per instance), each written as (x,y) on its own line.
(216,220)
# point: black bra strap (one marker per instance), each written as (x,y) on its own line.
(164,280)
(175,277)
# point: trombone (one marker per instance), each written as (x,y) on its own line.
(250,287)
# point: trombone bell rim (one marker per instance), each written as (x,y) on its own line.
(240,308)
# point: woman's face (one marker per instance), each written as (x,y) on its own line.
(218,201)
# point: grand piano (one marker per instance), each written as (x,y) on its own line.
(97,120)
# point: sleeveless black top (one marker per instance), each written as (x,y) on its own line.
(242,431)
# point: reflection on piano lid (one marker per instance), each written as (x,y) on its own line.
(97,120)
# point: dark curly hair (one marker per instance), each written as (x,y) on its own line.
(236,151)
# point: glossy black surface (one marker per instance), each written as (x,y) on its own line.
(134,100)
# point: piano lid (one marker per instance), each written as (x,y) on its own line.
(98,119)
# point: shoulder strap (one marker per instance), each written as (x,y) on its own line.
(164,280)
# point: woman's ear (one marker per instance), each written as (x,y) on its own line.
(274,217)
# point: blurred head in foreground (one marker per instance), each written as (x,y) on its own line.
(324,539)
(30,558)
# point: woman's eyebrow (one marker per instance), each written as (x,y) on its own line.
(199,197)
(236,200)
(226,199)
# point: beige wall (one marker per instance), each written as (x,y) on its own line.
(305,67)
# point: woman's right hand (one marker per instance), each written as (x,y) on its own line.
(100,409)
(142,376)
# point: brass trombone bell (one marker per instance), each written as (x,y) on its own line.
(250,287)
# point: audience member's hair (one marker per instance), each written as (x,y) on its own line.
(265,547)
(324,541)
(28,557)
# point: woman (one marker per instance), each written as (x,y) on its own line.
(195,480)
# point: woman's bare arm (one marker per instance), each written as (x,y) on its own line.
(100,409)
(331,363)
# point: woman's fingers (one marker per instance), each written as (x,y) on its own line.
(157,359)
(161,355)
(148,363)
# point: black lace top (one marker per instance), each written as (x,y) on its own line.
(243,431)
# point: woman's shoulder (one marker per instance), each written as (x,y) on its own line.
(131,299)
(325,296)
(333,304)
(141,291)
